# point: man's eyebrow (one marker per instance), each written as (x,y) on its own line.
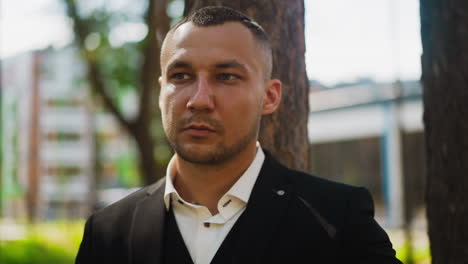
(178,64)
(231,64)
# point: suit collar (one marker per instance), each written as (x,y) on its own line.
(147,228)
(267,205)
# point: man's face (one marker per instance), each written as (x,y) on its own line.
(212,91)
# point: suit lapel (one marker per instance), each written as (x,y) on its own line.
(147,231)
(262,217)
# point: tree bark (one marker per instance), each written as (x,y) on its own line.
(146,157)
(444,31)
(158,25)
(283,133)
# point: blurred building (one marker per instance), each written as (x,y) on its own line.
(371,134)
(57,146)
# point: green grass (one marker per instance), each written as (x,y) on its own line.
(419,254)
(49,243)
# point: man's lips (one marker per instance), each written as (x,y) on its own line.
(199,127)
(199,130)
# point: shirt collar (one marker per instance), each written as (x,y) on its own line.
(170,175)
(241,189)
(244,185)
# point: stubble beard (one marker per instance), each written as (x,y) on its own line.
(218,154)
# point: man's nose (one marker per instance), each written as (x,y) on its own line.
(202,97)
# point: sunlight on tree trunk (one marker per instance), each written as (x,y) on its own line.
(444,32)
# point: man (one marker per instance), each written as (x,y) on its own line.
(225,200)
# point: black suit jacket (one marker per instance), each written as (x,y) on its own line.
(291,217)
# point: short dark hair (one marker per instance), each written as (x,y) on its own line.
(218,15)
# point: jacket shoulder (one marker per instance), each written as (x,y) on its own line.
(125,206)
(306,183)
(329,199)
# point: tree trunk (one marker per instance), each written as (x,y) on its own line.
(149,168)
(32,196)
(283,133)
(444,31)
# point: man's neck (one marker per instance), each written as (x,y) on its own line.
(206,184)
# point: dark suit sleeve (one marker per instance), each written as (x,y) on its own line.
(85,252)
(364,241)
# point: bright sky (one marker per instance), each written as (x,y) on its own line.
(31,24)
(362,38)
(345,39)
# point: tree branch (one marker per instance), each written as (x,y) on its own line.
(158,25)
(94,74)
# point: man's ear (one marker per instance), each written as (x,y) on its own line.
(273,91)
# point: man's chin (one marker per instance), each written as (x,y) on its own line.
(211,152)
(201,154)
(200,157)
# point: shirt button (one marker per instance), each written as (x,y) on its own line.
(280,192)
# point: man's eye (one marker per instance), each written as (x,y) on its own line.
(227,77)
(180,76)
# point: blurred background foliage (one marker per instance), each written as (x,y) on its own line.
(44,243)
(122,62)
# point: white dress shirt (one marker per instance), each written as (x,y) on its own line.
(203,233)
